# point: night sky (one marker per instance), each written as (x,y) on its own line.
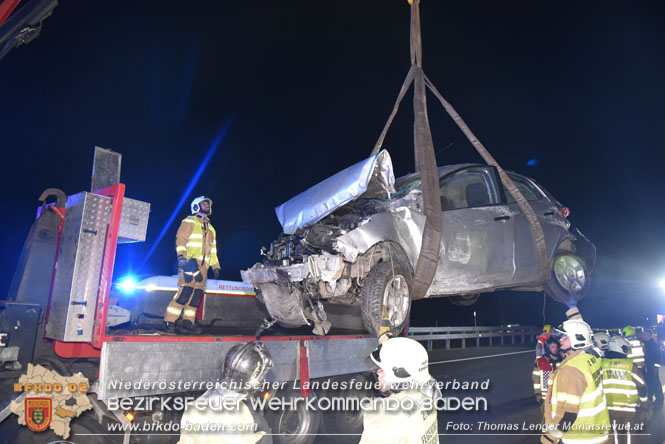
(306,87)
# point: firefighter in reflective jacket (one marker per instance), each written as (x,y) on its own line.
(636,349)
(404,376)
(575,408)
(544,367)
(623,387)
(196,247)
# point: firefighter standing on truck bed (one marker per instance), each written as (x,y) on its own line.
(196,247)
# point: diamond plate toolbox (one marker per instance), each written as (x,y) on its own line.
(74,298)
(133,221)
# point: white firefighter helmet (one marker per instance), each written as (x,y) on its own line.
(403,360)
(601,340)
(196,204)
(619,344)
(578,331)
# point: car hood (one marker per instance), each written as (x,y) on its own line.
(371,178)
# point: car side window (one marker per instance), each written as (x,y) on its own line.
(470,188)
(527,189)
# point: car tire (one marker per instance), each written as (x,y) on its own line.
(464,300)
(393,276)
(298,425)
(346,426)
(567,269)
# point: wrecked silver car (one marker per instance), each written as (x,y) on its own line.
(355,239)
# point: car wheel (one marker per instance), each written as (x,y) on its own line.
(569,274)
(346,426)
(464,300)
(386,294)
(298,425)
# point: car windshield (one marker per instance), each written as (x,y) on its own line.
(405,184)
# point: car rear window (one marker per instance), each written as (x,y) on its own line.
(528,190)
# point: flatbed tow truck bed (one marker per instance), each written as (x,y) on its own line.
(158,359)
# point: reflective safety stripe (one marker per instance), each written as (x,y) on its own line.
(552,430)
(621,391)
(593,395)
(194,244)
(536,386)
(173,310)
(180,248)
(637,378)
(196,236)
(213,250)
(627,404)
(592,411)
(189,221)
(190,311)
(622,409)
(570,399)
(608,382)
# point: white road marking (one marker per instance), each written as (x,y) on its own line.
(482,357)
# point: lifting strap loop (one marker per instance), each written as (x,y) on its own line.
(425,161)
(428,258)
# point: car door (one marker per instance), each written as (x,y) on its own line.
(526,257)
(477,238)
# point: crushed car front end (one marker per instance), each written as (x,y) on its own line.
(333,234)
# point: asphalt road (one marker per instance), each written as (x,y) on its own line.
(512,414)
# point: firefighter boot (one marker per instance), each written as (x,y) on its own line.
(191,328)
(169,327)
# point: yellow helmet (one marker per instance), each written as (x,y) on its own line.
(628,331)
(547,328)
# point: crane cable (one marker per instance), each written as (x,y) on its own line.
(426,164)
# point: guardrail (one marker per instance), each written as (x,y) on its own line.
(482,335)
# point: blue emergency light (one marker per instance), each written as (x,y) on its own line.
(127,285)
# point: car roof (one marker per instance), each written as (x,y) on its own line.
(443,170)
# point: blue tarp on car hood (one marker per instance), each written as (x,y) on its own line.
(325,197)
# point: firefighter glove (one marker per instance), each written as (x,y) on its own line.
(572,301)
(216,272)
(181,262)
(191,266)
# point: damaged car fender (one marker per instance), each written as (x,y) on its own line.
(403,226)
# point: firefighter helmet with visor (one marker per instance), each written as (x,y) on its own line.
(196,204)
(246,367)
(577,330)
(403,361)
